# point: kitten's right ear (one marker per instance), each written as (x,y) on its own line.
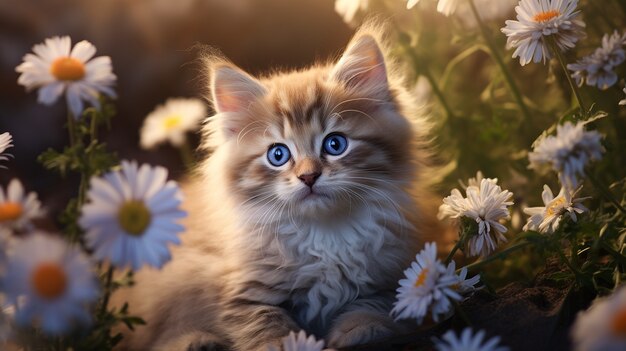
(233,92)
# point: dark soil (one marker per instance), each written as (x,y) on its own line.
(536,317)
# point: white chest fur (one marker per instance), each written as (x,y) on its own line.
(332,263)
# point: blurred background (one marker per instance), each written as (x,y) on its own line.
(154,47)
(151,44)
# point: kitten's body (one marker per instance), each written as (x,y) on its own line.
(265,254)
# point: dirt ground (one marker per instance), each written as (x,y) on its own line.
(534,318)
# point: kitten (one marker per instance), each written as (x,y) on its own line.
(304,216)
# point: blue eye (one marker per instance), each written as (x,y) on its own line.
(278,155)
(335,144)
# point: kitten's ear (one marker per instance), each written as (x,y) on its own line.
(363,66)
(234,90)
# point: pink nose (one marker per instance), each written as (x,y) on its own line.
(310,178)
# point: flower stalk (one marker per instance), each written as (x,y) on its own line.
(559,56)
(500,255)
(495,54)
(422,69)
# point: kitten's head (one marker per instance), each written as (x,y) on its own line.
(316,142)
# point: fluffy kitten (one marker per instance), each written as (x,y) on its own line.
(303,217)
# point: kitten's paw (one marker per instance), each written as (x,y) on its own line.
(359,327)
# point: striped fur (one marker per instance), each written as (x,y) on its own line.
(260,257)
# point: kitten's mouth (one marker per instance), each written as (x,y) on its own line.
(312,194)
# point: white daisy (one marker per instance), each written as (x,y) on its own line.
(602,327)
(546,219)
(479,178)
(132,215)
(487,204)
(446,7)
(300,342)
(429,286)
(468,341)
(568,152)
(598,69)
(464,286)
(6,141)
(454,206)
(56,68)
(17,209)
(349,8)
(537,19)
(170,122)
(56,280)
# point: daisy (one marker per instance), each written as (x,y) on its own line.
(6,141)
(17,210)
(538,19)
(598,69)
(464,286)
(446,7)
(602,327)
(568,152)
(429,286)
(623,102)
(468,342)
(170,122)
(546,219)
(454,206)
(486,204)
(349,8)
(300,342)
(56,68)
(476,181)
(56,280)
(132,215)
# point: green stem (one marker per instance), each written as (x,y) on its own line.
(456,247)
(495,54)
(71,128)
(569,265)
(186,154)
(500,255)
(605,192)
(107,291)
(433,84)
(445,77)
(561,59)
(93,128)
(423,70)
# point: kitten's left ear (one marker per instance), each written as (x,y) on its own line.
(363,66)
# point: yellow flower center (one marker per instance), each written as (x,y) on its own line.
(10,211)
(134,217)
(421,278)
(67,68)
(172,121)
(618,323)
(49,280)
(555,206)
(546,16)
